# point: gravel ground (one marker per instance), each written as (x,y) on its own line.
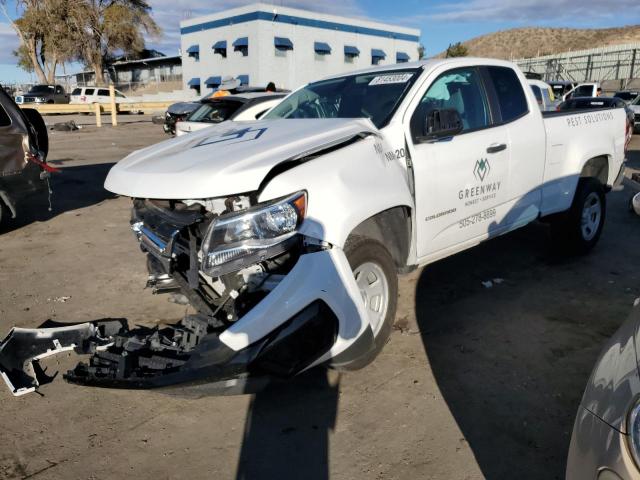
(475,382)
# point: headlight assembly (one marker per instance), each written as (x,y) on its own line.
(633,428)
(262,232)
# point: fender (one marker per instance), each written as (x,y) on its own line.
(339,186)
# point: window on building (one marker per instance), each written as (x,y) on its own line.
(282,45)
(377,56)
(220,48)
(402,57)
(321,49)
(194,52)
(241,45)
(350,54)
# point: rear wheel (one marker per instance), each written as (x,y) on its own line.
(578,231)
(375,274)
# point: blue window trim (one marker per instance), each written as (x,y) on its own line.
(293,20)
(193,49)
(213,81)
(194,82)
(244,79)
(351,51)
(242,42)
(377,53)
(402,57)
(322,48)
(283,43)
(220,45)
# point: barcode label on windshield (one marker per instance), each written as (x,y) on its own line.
(392,78)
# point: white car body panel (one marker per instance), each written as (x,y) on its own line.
(184,168)
(352,171)
(250,114)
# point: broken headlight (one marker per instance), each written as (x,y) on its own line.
(262,232)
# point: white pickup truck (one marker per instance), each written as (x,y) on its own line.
(286,234)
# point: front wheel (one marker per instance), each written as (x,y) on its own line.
(578,231)
(376,276)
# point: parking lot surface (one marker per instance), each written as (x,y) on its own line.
(475,382)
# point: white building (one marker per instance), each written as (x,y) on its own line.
(290,47)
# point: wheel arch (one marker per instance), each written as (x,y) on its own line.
(393,229)
(596,167)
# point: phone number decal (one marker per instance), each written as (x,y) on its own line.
(477,218)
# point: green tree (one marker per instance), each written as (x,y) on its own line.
(108,26)
(456,50)
(420,52)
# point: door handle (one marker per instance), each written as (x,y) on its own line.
(496,147)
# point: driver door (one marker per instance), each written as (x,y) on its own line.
(460,180)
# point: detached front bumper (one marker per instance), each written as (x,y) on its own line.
(315,314)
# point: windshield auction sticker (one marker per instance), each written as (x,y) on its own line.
(391,78)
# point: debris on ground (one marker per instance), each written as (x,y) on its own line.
(62,299)
(487,284)
(69,126)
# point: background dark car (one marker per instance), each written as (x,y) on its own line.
(627,95)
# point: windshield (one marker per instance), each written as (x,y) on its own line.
(41,89)
(214,112)
(369,95)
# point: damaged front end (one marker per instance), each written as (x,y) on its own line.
(267,302)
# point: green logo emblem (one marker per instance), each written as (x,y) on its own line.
(482,169)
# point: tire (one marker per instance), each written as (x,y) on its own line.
(42,136)
(370,256)
(578,231)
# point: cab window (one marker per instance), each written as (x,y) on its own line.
(511,98)
(461,90)
(537,93)
(103,93)
(5,121)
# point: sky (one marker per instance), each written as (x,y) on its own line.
(441,21)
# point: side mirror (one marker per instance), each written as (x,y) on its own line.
(441,123)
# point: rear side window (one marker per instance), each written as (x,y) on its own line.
(511,97)
(76,91)
(103,93)
(537,93)
(89,91)
(5,121)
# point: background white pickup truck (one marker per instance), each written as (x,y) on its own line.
(286,234)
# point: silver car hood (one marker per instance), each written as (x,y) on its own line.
(614,382)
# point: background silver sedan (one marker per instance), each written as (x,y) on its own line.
(605,444)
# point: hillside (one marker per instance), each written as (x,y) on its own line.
(531,42)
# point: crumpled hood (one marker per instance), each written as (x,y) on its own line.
(225,159)
(182,108)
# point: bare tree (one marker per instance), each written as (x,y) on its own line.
(45,33)
(108,26)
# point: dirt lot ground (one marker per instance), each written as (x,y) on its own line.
(474,383)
